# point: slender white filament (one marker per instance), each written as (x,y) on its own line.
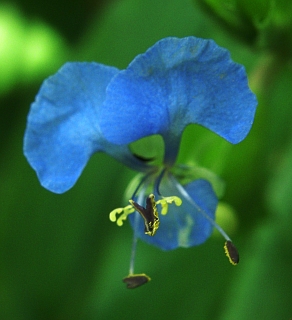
(186,196)
(140,199)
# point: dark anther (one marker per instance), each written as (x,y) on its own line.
(149,214)
(136,280)
(231,252)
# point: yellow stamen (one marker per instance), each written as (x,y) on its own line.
(168,200)
(124,212)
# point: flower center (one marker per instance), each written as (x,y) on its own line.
(149,213)
(187,195)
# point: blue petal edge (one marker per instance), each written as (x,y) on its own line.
(174,83)
(63,123)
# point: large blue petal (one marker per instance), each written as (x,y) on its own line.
(175,83)
(184,226)
(63,124)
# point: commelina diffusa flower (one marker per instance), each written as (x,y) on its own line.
(89,107)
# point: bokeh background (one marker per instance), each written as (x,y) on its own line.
(60,256)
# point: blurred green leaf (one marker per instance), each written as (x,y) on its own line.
(132,26)
(29,50)
(279,191)
(229,14)
(256,10)
(264,24)
(276,35)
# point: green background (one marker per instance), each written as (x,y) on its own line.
(60,256)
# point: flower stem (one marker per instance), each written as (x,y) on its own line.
(264,74)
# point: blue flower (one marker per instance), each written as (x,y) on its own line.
(88,107)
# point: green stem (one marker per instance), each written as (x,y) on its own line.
(262,78)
